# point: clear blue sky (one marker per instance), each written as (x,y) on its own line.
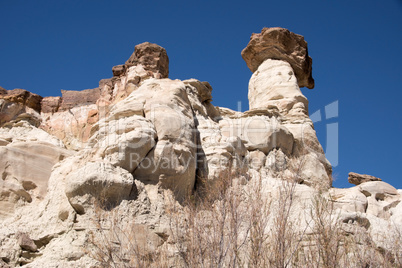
(355,45)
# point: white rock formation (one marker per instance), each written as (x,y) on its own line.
(275,84)
(142,145)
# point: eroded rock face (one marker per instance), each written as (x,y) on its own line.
(356,179)
(280,44)
(274,84)
(50,104)
(258,133)
(26,168)
(108,184)
(19,104)
(71,98)
(153,57)
(71,117)
(141,144)
(23,97)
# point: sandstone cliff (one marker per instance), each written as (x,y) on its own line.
(141,148)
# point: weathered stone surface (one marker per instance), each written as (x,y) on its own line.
(23,97)
(71,98)
(19,104)
(3,264)
(144,146)
(172,162)
(280,44)
(99,182)
(276,162)
(73,126)
(118,70)
(25,132)
(3,91)
(356,179)
(256,159)
(258,133)
(25,169)
(349,199)
(381,197)
(26,243)
(274,85)
(50,104)
(124,141)
(153,57)
(204,89)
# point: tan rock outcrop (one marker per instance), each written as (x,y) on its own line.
(71,117)
(71,98)
(356,179)
(102,181)
(26,168)
(153,57)
(118,70)
(19,104)
(23,97)
(280,44)
(50,104)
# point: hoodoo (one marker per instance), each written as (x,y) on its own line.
(145,171)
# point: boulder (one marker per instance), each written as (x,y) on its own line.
(153,57)
(118,70)
(26,243)
(356,179)
(310,170)
(101,183)
(280,44)
(276,161)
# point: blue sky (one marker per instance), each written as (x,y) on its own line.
(356,46)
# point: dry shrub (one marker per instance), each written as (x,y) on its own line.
(211,233)
(236,222)
(115,240)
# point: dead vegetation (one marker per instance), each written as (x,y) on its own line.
(242,222)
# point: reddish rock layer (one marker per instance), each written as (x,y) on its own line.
(280,44)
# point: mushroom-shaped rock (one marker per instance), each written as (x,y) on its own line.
(280,44)
(152,56)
